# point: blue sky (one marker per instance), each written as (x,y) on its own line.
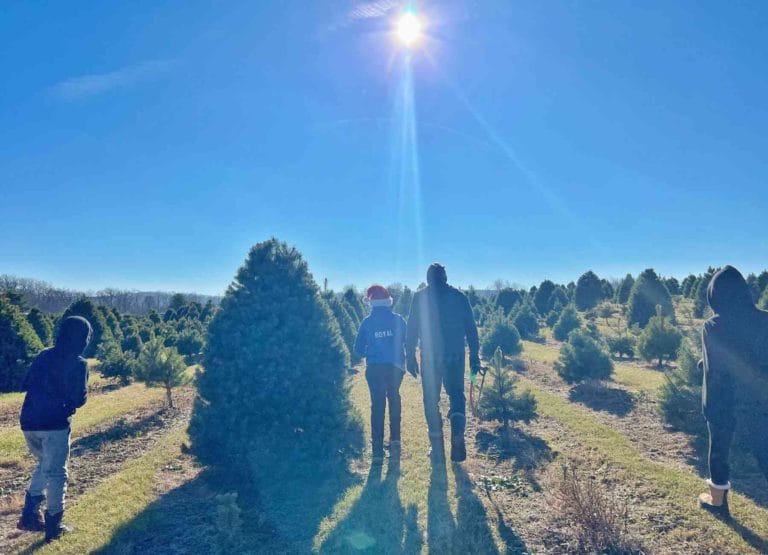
(149,144)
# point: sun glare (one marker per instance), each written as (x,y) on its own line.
(409,29)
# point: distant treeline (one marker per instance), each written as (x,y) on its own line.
(54,300)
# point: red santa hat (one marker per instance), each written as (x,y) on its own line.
(378,295)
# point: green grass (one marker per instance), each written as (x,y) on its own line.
(400,512)
(631,375)
(118,500)
(680,488)
(98,409)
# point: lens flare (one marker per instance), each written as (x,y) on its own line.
(409,29)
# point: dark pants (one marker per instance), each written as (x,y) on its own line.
(722,426)
(384,385)
(448,373)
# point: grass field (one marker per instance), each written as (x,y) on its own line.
(158,500)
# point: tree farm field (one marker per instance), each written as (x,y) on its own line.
(135,487)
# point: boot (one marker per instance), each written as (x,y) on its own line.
(32,517)
(53,526)
(716,500)
(458,448)
(437,450)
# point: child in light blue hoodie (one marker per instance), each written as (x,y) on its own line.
(381,340)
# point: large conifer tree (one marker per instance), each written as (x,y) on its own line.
(274,408)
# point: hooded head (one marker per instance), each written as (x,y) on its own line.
(74,335)
(436,276)
(728,293)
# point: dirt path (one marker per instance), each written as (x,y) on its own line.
(94,457)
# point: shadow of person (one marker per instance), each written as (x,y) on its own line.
(473,534)
(747,534)
(603,398)
(377,522)
(440,523)
(526,451)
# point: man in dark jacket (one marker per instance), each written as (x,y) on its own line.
(56,385)
(381,340)
(735,387)
(441,320)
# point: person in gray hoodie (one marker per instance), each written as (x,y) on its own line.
(56,385)
(735,380)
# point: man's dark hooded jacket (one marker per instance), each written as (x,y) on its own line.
(57,381)
(441,317)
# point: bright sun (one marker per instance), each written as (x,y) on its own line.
(409,29)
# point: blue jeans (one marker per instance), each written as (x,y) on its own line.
(51,450)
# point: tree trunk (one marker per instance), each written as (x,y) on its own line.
(169,396)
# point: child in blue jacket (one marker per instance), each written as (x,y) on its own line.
(381,340)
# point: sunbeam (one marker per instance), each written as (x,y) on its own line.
(407,174)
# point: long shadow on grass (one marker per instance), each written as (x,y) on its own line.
(119,430)
(603,398)
(470,531)
(473,534)
(377,522)
(527,452)
(192,519)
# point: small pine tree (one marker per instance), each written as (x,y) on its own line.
(508,298)
(504,335)
(622,345)
(582,359)
(43,326)
(161,366)
(500,400)
(353,299)
(553,317)
(567,322)
(680,396)
(589,291)
(115,363)
(700,304)
(688,283)
(19,344)
(762,281)
(189,342)
(345,322)
(112,323)
(84,307)
(526,321)
(659,339)
(543,300)
(624,289)
(132,343)
(673,286)
(648,292)
(177,302)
